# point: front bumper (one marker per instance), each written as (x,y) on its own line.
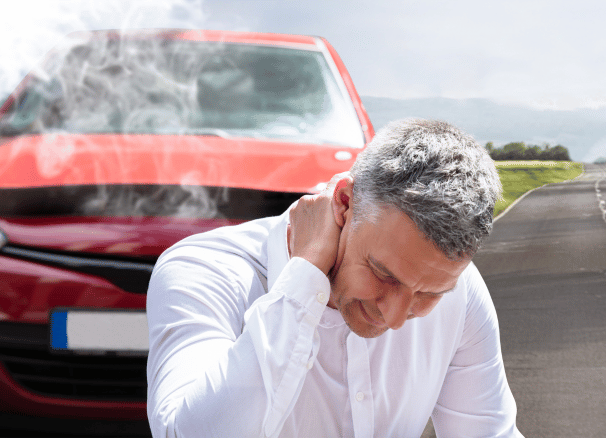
(36,381)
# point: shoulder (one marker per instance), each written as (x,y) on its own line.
(467,315)
(478,297)
(481,328)
(227,263)
(234,246)
(457,307)
(246,239)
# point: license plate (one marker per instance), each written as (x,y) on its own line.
(94,331)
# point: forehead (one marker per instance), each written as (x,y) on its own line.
(393,239)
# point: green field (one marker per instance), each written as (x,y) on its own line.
(518,177)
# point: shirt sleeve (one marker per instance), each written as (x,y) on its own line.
(475,400)
(218,367)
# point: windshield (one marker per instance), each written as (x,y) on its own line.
(163,86)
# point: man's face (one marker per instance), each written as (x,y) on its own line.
(387,272)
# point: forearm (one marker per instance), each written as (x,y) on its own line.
(216,386)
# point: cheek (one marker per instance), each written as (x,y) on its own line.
(358,282)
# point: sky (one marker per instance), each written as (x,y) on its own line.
(543,54)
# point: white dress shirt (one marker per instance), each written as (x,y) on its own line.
(242,344)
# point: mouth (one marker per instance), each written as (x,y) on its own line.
(368,318)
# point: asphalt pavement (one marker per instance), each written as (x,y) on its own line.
(545,267)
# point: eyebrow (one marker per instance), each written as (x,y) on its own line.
(381,267)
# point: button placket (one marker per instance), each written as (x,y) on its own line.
(359,383)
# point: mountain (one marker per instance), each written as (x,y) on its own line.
(582,131)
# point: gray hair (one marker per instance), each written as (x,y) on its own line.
(436,174)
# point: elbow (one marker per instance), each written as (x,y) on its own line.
(162,420)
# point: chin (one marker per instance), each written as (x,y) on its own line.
(358,325)
(366,331)
(356,321)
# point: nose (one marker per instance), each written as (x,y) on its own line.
(395,306)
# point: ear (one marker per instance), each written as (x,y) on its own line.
(342,198)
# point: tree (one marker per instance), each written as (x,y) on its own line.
(560,153)
(514,151)
(532,152)
(556,153)
(519,151)
(497,154)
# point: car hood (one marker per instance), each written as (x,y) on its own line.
(65,160)
(39,173)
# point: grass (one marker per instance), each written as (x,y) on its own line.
(518,177)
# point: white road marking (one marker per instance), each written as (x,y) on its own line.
(598,194)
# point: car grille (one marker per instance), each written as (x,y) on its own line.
(103,378)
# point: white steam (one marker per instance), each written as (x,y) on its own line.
(174,201)
(30,28)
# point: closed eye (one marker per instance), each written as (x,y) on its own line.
(433,294)
(389,280)
(437,294)
(384,278)
(381,272)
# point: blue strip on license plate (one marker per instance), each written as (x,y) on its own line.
(99,330)
(59,330)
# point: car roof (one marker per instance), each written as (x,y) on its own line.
(295,41)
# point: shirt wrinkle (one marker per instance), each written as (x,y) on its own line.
(296,369)
(331,318)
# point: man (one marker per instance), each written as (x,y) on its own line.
(358,312)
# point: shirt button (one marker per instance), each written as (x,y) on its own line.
(321,297)
(360,396)
(310,364)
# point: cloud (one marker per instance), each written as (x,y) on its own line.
(541,53)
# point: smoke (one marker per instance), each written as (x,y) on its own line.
(30,28)
(149,86)
(33,27)
(167,200)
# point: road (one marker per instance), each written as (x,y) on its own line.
(545,267)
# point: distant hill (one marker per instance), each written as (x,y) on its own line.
(582,132)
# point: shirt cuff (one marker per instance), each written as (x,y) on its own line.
(302,281)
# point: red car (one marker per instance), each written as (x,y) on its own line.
(119,145)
